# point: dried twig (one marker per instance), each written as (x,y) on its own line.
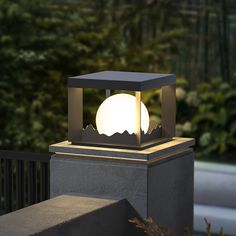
(221,231)
(186,231)
(208,227)
(153,229)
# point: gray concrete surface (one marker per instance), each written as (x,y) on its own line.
(170,193)
(215,197)
(99,178)
(72,216)
(217,216)
(215,184)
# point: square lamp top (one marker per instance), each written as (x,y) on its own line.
(119,80)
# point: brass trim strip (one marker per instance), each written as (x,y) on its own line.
(138,116)
(127,160)
(170,155)
(86,156)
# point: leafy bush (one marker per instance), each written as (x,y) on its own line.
(43,42)
(208,114)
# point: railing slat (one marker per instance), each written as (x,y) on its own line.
(47,177)
(19,184)
(32,182)
(1,192)
(43,181)
(8,185)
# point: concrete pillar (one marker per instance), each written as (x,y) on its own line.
(157,181)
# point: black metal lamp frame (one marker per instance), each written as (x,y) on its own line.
(130,81)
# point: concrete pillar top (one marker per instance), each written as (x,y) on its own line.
(146,155)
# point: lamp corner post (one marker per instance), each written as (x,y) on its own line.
(75,114)
(168,110)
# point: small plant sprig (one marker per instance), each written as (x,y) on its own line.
(153,229)
(208,228)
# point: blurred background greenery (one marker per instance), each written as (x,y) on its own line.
(42,42)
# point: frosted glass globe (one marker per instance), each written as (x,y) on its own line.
(118,114)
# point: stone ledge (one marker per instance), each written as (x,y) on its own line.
(72,215)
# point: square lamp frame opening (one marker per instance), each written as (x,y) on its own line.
(129,81)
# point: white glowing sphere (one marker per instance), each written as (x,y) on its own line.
(118,114)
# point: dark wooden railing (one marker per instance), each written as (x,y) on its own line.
(24,179)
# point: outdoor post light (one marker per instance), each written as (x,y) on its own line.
(126,155)
(122,120)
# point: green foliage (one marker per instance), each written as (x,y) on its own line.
(33,88)
(208,114)
(43,42)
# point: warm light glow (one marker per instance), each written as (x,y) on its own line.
(118,113)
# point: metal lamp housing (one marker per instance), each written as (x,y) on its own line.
(128,81)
